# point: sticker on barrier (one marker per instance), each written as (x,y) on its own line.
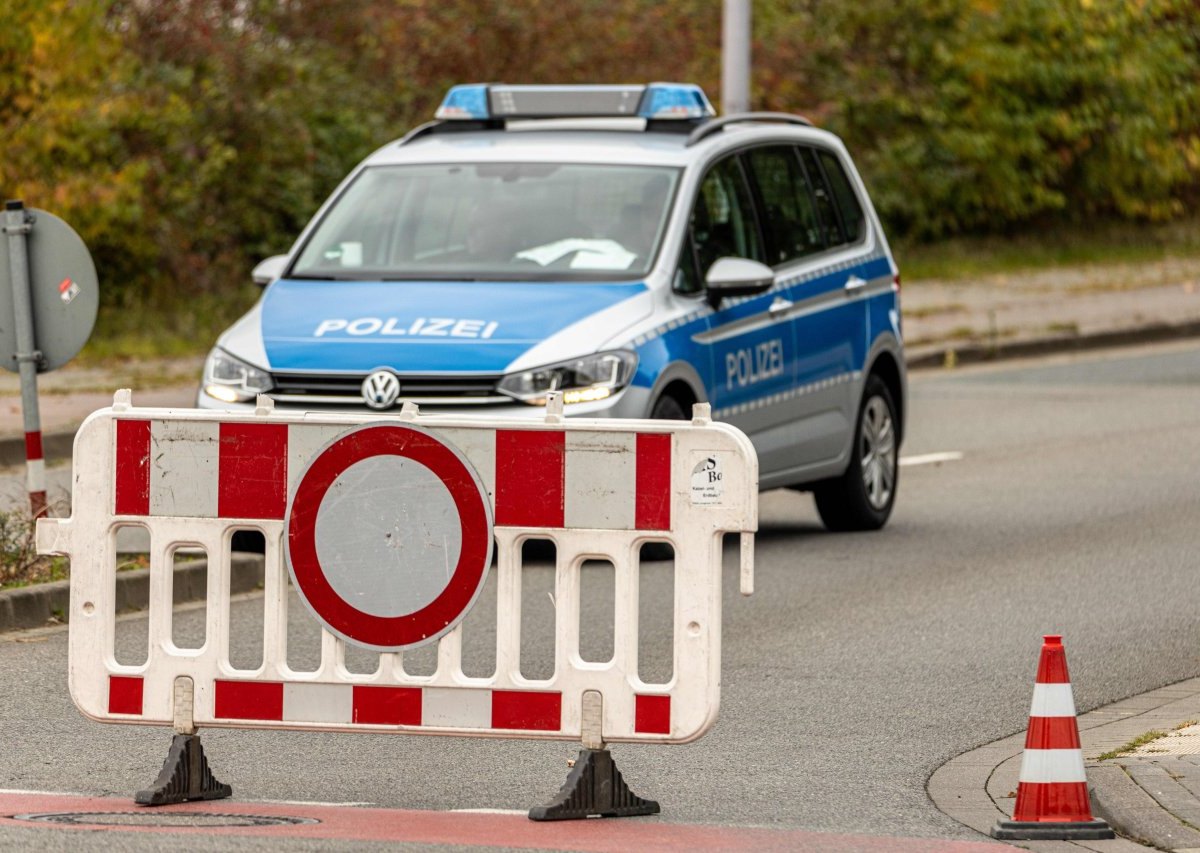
(387,527)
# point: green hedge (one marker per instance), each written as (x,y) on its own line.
(187,139)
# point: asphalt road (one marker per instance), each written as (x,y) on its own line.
(861,663)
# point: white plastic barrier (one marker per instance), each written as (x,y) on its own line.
(320,485)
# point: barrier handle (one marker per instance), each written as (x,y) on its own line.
(747,563)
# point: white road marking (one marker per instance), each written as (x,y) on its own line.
(931,458)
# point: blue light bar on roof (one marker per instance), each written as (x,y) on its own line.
(674,101)
(656,101)
(465,102)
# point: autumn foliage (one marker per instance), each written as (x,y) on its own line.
(186,139)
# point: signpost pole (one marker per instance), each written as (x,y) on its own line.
(735,57)
(17,225)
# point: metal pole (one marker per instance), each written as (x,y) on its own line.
(17,224)
(735,57)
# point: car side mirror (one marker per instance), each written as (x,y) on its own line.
(737,277)
(269,270)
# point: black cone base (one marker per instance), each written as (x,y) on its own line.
(594,788)
(1032,830)
(184,776)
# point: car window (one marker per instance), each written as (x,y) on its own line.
(723,223)
(527,221)
(843,194)
(789,217)
(831,226)
(687,277)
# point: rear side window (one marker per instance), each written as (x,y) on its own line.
(843,194)
(723,223)
(790,223)
(831,226)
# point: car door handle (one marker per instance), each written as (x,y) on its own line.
(780,305)
(854,283)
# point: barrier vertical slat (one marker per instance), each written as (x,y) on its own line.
(160,599)
(219,546)
(449,655)
(625,610)
(275,600)
(330,654)
(566,606)
(508,608)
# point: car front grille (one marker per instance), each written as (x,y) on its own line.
(345,389)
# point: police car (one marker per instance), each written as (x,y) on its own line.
(619,244)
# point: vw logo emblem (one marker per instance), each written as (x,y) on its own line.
(381,389)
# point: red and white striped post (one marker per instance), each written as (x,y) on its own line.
(35,472)
(1052,793)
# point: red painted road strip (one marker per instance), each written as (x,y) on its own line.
(530,478)
(653,482)
(344,823)
(132,468)
(252,482)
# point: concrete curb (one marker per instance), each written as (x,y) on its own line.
(977,787)
(49,603)
(976,353)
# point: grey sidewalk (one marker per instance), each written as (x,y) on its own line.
(1148,796)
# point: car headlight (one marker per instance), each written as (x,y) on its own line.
(231,380)
(581,380)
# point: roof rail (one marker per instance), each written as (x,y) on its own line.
(713,125)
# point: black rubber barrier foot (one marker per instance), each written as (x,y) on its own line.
(594,788)
(184,776)
(1031,830)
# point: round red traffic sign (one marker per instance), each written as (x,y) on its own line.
(389,536)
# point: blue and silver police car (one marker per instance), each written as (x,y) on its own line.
(619,244)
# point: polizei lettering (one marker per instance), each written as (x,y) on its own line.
(424,327)
(753,364)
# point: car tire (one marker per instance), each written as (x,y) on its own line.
(667,408)
(862,498)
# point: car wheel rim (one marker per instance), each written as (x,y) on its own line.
(877,448)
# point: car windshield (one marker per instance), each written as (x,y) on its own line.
(503,221)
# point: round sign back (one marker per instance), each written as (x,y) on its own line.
(389,536)
(64,290)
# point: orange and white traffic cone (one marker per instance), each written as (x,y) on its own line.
(1052,794)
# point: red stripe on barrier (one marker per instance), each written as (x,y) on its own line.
(253,471)
(653,482)
(125,694)
(530,477)
(249,700)
(388,706)
(528,710)
(1052,666)
(1052,733)
(1052,801)
(652,715)
(132,467)
(33,445)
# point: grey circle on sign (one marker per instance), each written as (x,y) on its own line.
(64,290)
(388,536)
